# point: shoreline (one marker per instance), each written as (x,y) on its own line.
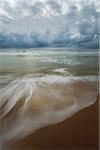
(81,132)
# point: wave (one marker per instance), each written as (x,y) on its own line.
(29,103)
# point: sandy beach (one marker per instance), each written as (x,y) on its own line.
(49,103)
(49,75)
(78,132)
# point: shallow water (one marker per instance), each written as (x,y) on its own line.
(43,87)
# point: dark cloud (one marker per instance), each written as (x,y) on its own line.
(37,40)
(79,28)
(36,8)
(54,6)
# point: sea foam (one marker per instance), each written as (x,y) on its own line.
(29,103)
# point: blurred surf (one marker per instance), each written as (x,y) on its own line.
(44,88)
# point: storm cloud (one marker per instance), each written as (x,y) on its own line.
(54,23)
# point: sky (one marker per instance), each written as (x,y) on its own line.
(55,23)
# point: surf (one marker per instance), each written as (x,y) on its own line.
(32,102)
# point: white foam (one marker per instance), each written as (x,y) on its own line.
(49,105)
(6,78)
(14,92)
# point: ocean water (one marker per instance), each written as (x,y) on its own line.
(41,87)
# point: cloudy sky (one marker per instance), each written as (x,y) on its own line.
(33,23)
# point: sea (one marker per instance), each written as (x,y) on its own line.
(44,86)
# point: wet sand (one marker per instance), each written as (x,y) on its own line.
(80,132)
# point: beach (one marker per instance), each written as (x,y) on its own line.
(48,99)
(49,75)
(78,132)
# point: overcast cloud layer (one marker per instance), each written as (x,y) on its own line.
(39,23)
